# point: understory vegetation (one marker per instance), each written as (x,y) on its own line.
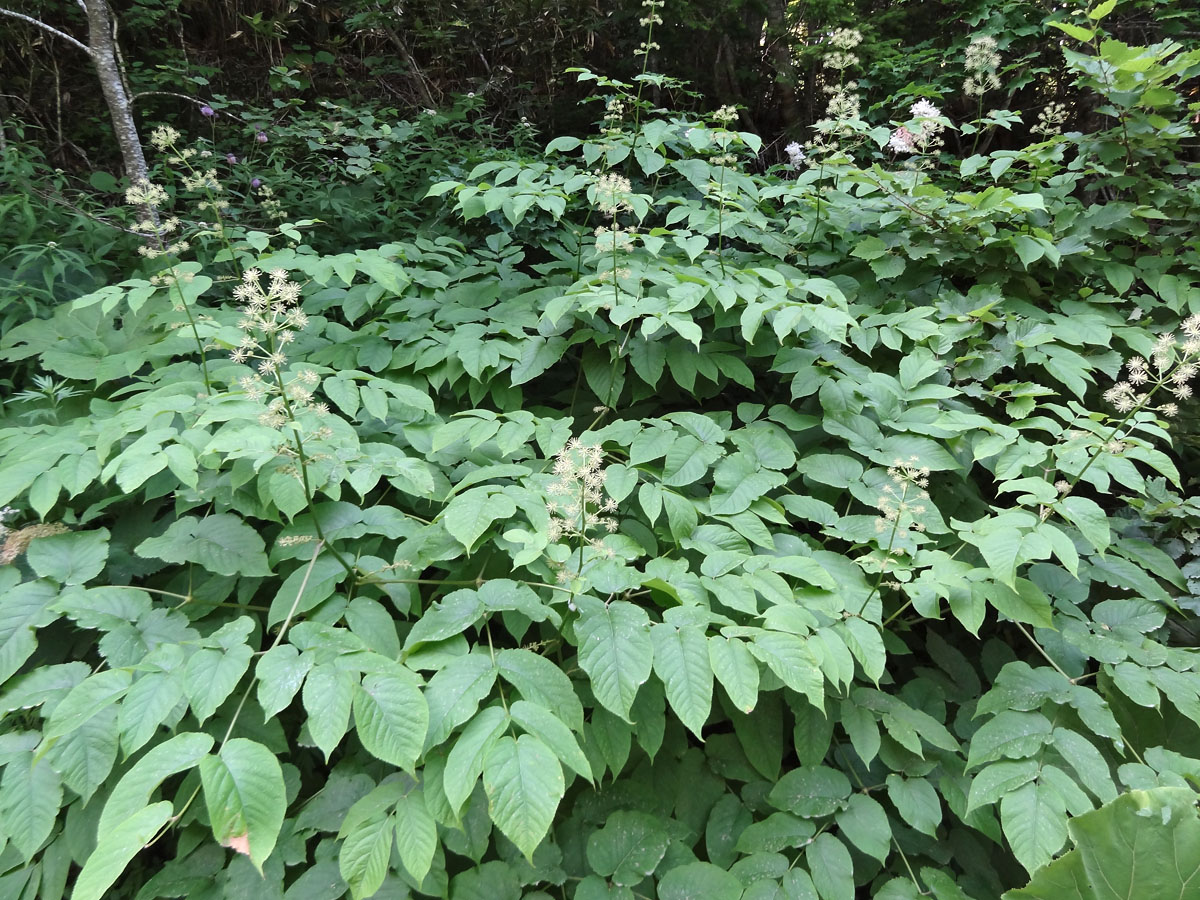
(416,503)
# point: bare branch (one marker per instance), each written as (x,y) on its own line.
(40,24)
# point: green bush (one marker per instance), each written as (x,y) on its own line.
(658,527)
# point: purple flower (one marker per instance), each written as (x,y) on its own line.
(231,159)
(261,137)
(207,111)
(255,182)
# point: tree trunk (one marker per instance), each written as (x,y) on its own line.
(104,56)
(102,48)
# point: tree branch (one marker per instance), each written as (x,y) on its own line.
(40,24)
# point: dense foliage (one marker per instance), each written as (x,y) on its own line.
(640,517)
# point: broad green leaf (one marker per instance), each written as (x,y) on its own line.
(245,797)
(544,725)
(681,663)
(452,615)
(1034,819)
(222,544)
(917,802)
(1089,518)
(279,673)
(1144,844)
(116,848)
(1010,734)
(998,779)
(454,693)
(811,791)
(524,783)
(132,793)
(1076,31)
(87,699)
(628,848)
(30,796)
(865,824)
(831,868)
(699,881)
(789,657)
(148,703)
(23,608)
(736,670)
(416,834)
(327,696)
(364,855)
(85,756)
(471,513)
(71,558)
(464,762)
(542,682)
(211,675)
(615,650)
(391,719)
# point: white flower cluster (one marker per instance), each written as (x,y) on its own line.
(577,502)
(649,20)
(982,61)
(926,137)
(270,320)
(1051,119)
(795,154)
(903,498)
(1172,366)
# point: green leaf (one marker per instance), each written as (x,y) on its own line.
(542,682)
(471,513)
(1025,604)
(116,848)
(71,558)
(364,855)
(1144,844)
(544,725)
(416,834)
(132,793)
(222,544)
(1089,518)
(23,608)
(454,693)
(687,460)
(1034,819)
(681,663)
(327,696)
(699,881)
(811,791)
(30,796)
(831,868)
(211,676)
(736,670)
(452,615)
(789,657)
(865,824)
(149,702)
(998,779)
(391,718)
(279,673)
(1102,10)
(615,650)
(464,763)
(917,802)
(628,848)
(1010,734)
(524,783)
(245,797)
(85,756)
(87,699)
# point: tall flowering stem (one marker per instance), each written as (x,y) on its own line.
(1172,366)
(900,503)
(577,503)
(155,229)
(271,317)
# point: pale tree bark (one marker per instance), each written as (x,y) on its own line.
(102,49)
